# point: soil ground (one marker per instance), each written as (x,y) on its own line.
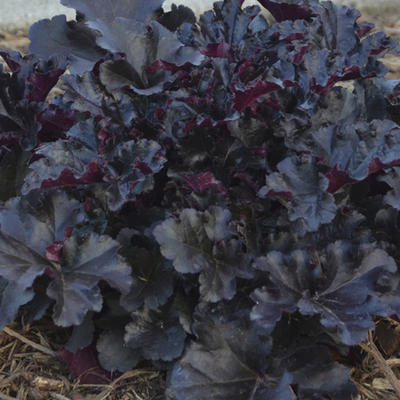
(30,369)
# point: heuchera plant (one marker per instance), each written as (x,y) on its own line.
(206,193)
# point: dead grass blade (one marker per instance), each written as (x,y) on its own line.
(5,397)
(29,342)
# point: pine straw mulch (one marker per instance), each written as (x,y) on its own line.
(377,375)
(31,370)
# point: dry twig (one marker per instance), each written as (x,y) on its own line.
(59,396)
(29,342)
(5,397)
(383,365)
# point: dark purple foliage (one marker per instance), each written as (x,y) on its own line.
(204,193)
(84,262)
(290,9)
(114,354)
(241,371)
(338,283)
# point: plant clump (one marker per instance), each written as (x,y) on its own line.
(205,194)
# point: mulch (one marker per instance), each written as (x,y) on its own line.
(31,370)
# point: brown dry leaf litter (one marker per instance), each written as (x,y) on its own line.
(30,370)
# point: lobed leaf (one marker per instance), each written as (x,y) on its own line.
(337,283)
(11,299)
(113,354)
(153,280)
(305,187)
(27,227)
(222,364)
(158,335)
(200,242)
(84,263)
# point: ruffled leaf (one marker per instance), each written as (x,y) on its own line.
(222,363)
(114,355)
(392,178)
(299,181)
(84,263)
(200,242)
(158,335)
(118,175)
(11,299)
(337,283)
(27,227)
(153,279)
(68,39)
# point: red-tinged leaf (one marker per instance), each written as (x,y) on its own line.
(42,83)
(352,72)
(248,97)
(247,178)
(274,193)
(289,10)
(363,28)
(54,251)
(376,165)
(55,122)
(216,50)
(11,61)
(8,141)
(85,366)
(337,179)
(68,231)
(143,167)
(161,65)
(274,104)
(93,175)
(49,272)
(299,56)
(199,183)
